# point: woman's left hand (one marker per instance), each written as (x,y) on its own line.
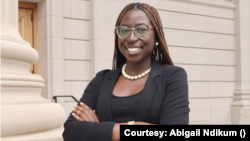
(83,112)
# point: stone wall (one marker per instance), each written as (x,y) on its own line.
(76,40)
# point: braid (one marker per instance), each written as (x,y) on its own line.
(161,54)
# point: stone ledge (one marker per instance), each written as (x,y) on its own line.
(49,135)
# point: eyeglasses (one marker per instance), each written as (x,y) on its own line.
(140,31)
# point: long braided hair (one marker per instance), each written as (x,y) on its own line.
(161,53)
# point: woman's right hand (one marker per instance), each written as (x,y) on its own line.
(83,112)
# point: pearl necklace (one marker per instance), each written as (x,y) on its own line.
(134,77)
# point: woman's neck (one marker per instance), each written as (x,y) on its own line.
(133,68)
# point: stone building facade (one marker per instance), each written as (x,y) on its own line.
(208,38)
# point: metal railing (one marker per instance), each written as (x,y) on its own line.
(55,97)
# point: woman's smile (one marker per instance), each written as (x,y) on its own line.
(133,49)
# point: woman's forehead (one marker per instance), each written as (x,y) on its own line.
(134,17)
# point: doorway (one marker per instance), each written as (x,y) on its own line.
(27,23)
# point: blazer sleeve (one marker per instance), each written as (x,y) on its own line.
(175,108)
(84,130)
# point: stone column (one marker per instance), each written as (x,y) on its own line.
(23,110)
(241,104)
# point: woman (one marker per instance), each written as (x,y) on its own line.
(143,88)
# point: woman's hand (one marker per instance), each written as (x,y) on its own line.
(83,112)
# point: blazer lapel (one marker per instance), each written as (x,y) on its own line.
(107,86)
(104,99)
(148,92)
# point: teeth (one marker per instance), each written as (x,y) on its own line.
(133,49)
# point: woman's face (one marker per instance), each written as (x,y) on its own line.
(132,19)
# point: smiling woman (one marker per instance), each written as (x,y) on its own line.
(144,88)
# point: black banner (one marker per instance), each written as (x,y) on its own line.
(162,132)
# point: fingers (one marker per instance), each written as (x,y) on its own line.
(81,114)
(90,113)
(76,117)
(85,111)
(85,107)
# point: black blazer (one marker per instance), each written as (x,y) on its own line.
(164,100)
